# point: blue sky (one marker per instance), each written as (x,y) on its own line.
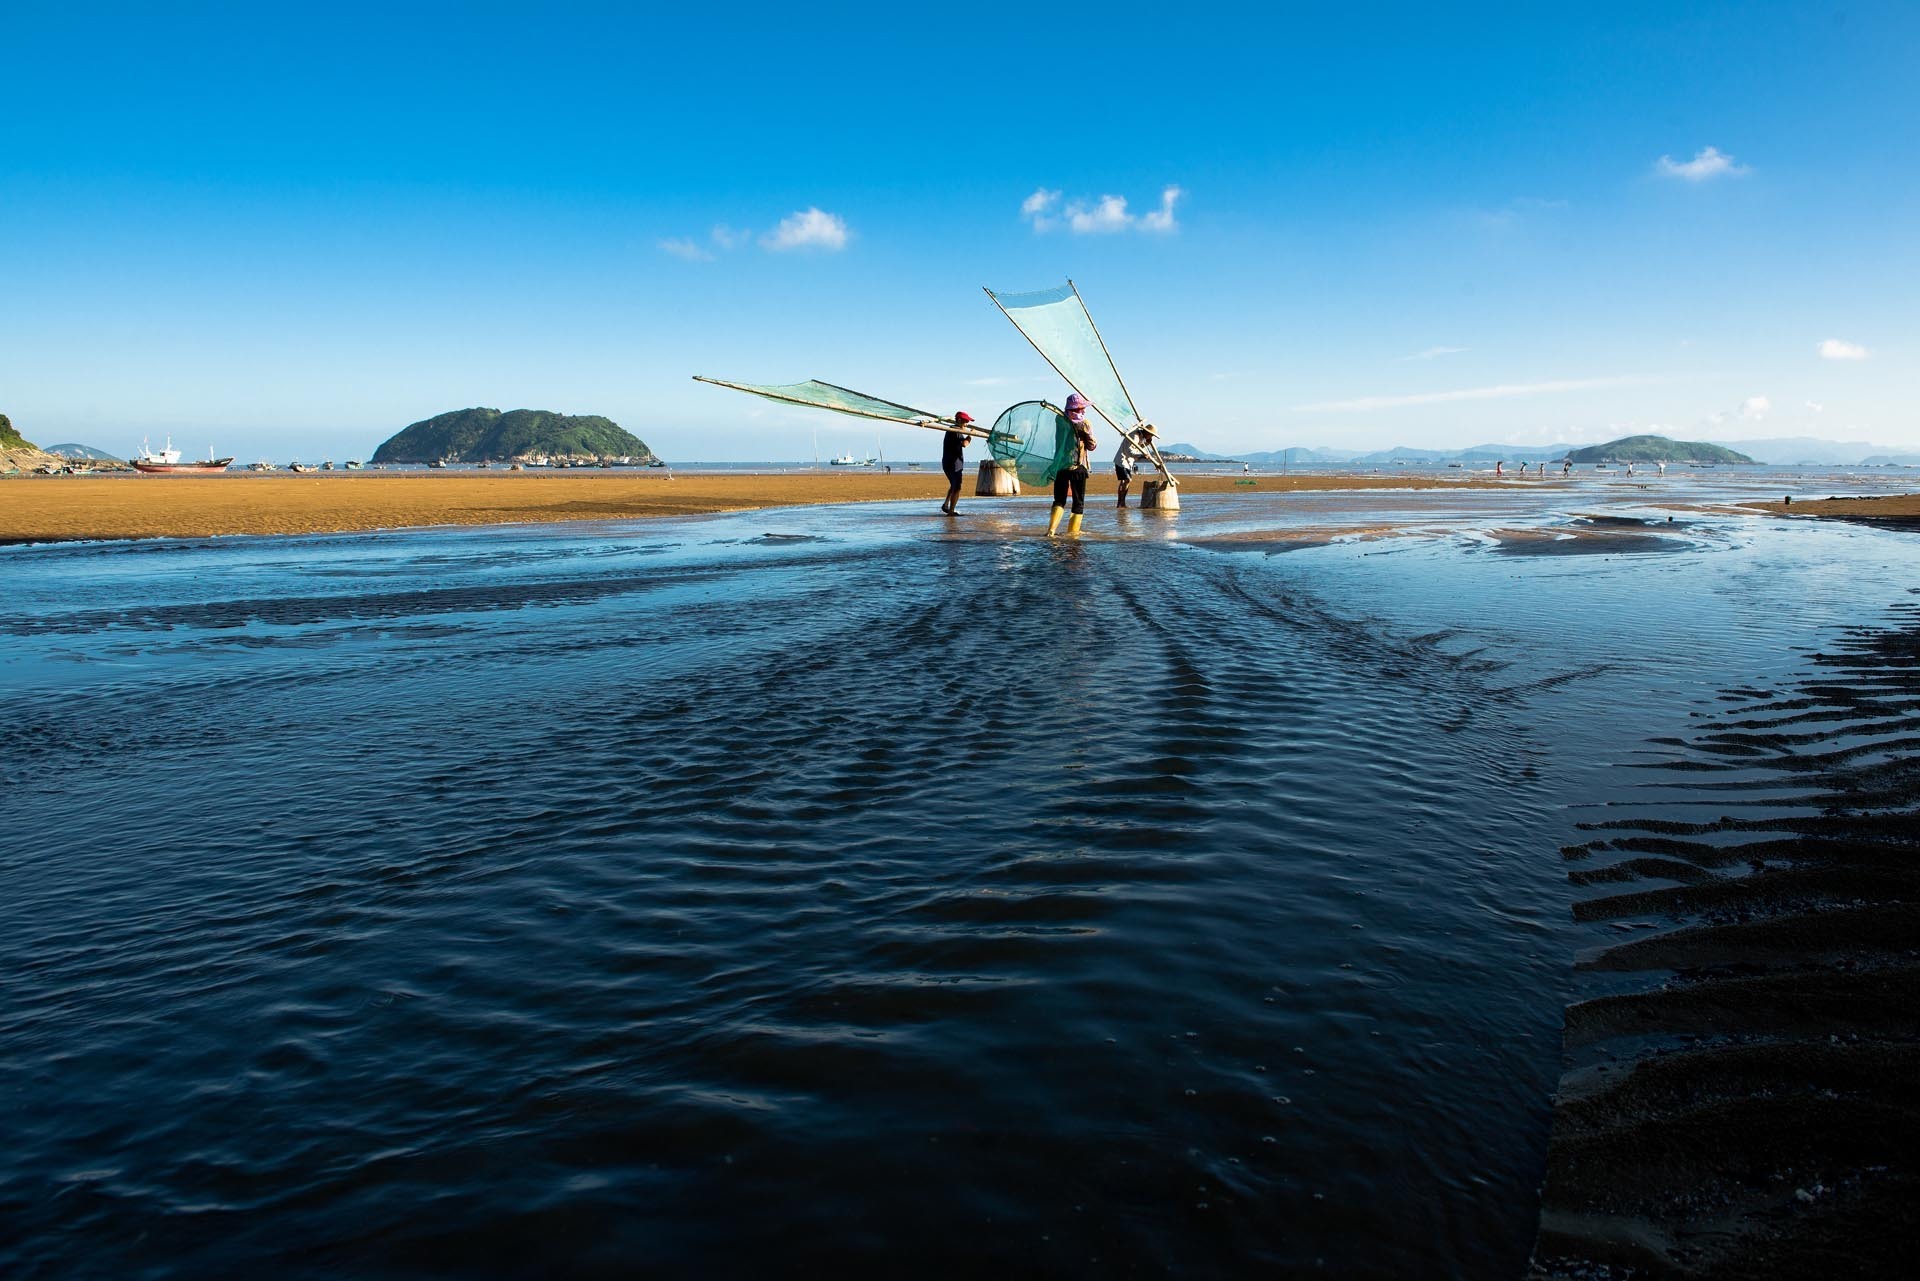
(293,229)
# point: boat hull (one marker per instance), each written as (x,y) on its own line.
(202,468)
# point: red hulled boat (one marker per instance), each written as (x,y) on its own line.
(167,461)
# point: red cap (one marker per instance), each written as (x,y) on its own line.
(963,417)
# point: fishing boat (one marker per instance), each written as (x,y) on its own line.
(297,465)
(167,462)
(848,460)
(354,464)
(263,465)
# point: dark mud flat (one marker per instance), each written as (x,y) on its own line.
(1754,1113)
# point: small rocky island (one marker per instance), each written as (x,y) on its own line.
(1656,449)
(522,435)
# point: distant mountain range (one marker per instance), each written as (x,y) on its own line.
(475,435)
(1783,452)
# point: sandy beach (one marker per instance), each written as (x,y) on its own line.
(68,508)
(1895,511)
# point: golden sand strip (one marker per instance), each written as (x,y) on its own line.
(65,508)
(1890,507)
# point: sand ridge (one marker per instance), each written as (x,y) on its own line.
(67,508)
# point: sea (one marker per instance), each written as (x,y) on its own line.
(846,890)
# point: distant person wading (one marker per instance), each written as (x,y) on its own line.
(953,461)
(1072,478)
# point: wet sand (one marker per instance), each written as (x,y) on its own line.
(1891,511)
(66,508)
(1593,535)
(1744,1107)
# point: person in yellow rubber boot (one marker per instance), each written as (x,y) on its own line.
(1072,479)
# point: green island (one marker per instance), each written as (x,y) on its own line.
(1656,449)
(475,435)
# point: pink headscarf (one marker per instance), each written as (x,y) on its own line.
(1076,407)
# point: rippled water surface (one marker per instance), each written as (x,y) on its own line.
(834,888)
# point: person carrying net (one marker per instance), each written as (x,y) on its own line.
(953,461)
(1132,452)
(1071,479)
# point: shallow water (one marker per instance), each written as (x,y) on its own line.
(838,887)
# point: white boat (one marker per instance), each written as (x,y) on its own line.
(848,460)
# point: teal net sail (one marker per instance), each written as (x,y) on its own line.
(819,395)
(1034,438)
(1056,322)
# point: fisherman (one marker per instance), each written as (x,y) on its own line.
(953,461)
(1072,478)
(1127,459)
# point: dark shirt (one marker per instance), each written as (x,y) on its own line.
(952,449)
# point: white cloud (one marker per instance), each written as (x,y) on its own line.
(1105,215)
(1816,407)
(681,247)
(1161,219)
(1434,353)
(1840,349)
(808,229)
(1037,209)
(1109,213)
(730,237)
(1755,407)
(1709,162)
(1501,391)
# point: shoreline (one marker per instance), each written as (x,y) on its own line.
(106,509)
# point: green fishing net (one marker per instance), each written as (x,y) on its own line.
(821,395)
(1034,438)
(1056,322)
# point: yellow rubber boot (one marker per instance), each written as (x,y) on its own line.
(1053,521)
(1073,526)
